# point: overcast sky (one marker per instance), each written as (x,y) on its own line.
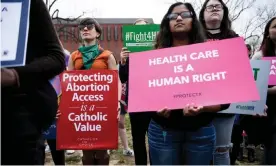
(131,9)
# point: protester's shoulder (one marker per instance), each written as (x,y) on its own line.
(111,56)
(257,56)
(75,52)
(105,51)
(233,34)
(108,53)
(38,5)
(66,52)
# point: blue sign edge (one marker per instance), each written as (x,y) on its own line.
(23,34)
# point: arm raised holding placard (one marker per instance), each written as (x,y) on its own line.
(124,65)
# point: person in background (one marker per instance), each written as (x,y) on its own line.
(268,49)
(88,57)
(29,102)
(58,156)
(122,130)
(139,121)
(214,16)
(252,129)
(249,126)
(67,56)
(184,136)
(244,123)
(237,140)
(249,49)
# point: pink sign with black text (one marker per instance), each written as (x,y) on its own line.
(209,73)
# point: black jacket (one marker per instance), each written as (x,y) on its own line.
(123,74)
(27,108)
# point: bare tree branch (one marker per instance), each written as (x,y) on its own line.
(238,7)
(47,2)
(64,22)
(51,5)
(227,1)
(69,34)
(55,12)
(254,28)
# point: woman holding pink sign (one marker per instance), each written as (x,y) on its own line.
(185,136)
(268,49)
(214,16)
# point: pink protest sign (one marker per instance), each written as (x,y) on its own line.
(272,74)
(210,73)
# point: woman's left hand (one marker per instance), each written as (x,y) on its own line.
(192,110)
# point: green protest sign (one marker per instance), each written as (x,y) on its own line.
(139,38)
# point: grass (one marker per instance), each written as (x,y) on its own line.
(117,157)
(259,155)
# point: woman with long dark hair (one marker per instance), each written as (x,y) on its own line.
(214,16)
(268,49)
(185,136)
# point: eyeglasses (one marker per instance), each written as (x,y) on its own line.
(211,8)
(89,27)
(186,14)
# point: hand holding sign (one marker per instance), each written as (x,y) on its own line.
(188,110)
(124,55)
(164,112)
(8,77)
(192,110)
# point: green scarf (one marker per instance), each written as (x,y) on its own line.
(89,54)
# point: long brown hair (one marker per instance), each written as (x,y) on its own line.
(164,38)
(225,26)
(267,46)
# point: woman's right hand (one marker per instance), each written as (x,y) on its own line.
(165,112)
(124,55)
